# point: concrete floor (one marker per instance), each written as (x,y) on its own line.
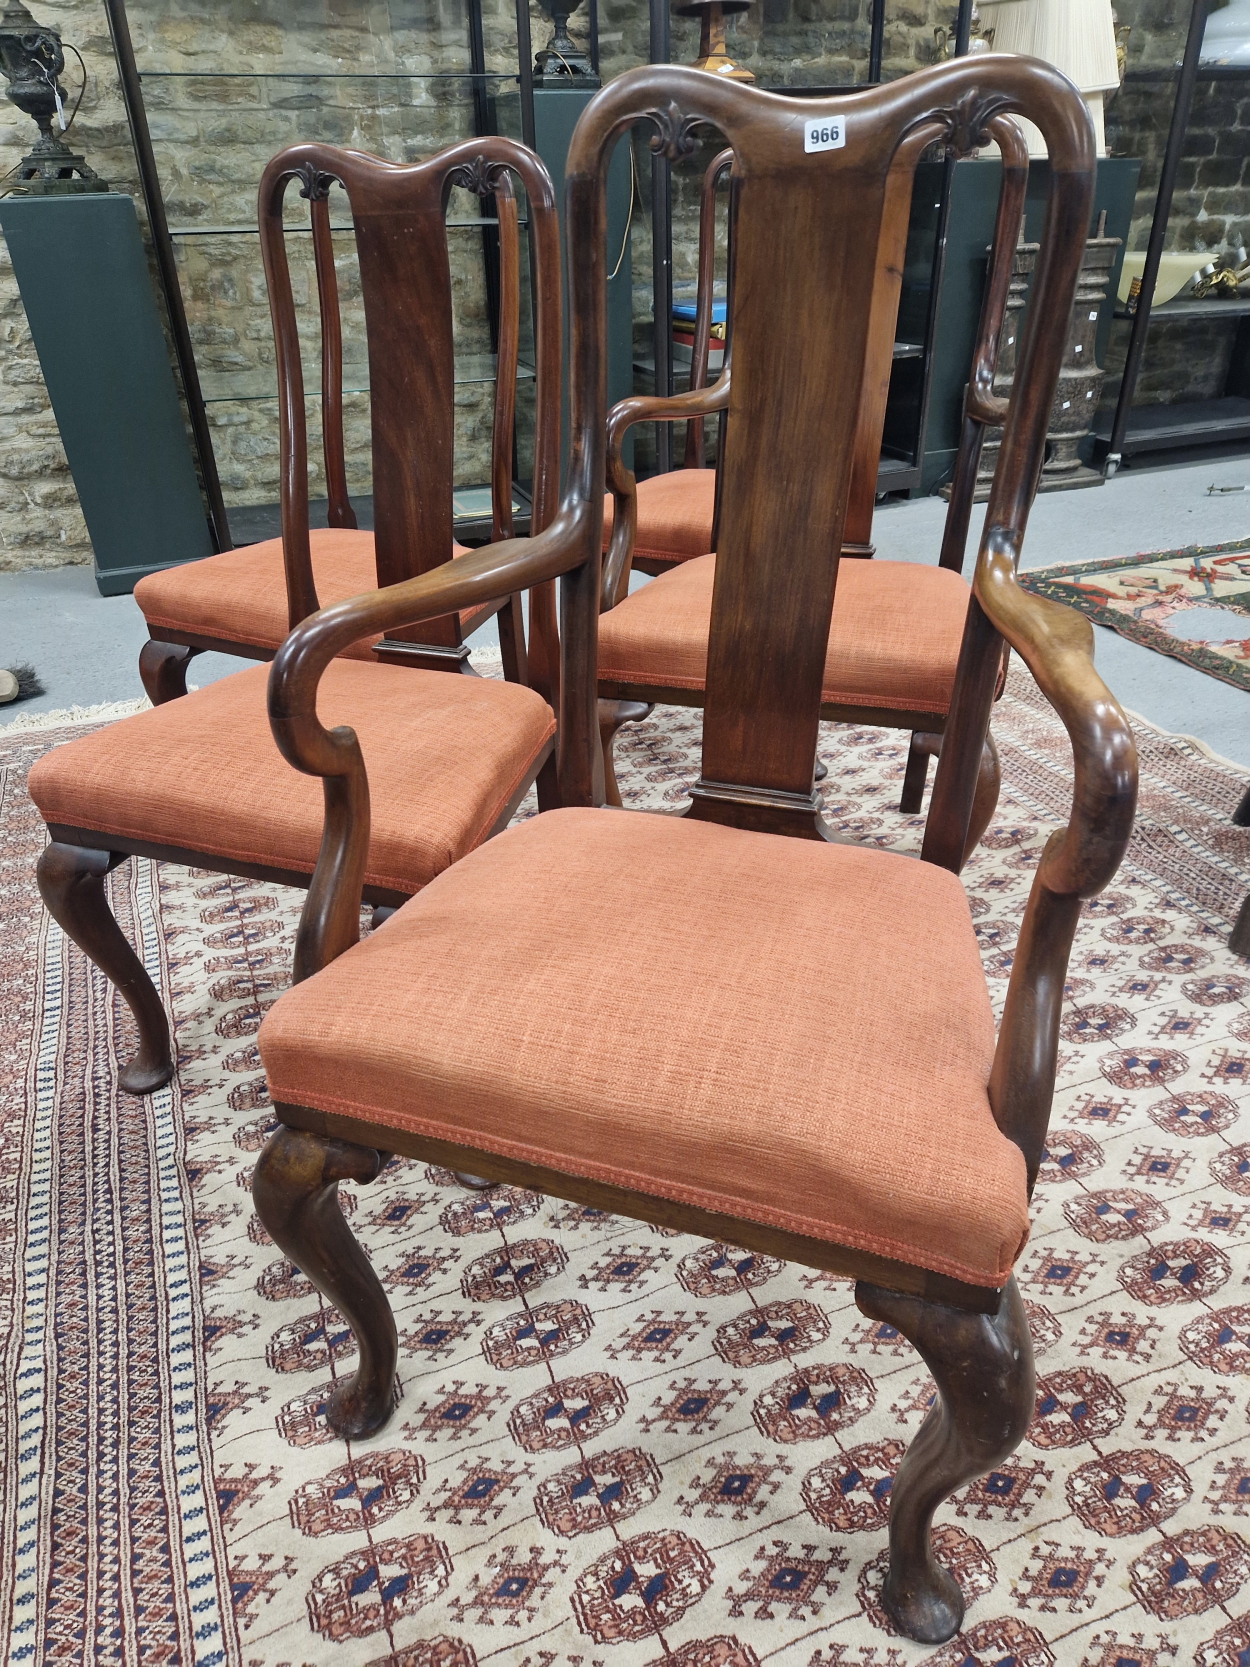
(85,647)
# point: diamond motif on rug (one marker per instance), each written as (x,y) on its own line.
(613,1444)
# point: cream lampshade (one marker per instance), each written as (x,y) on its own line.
(1077,36)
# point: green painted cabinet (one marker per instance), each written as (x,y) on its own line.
(83,276)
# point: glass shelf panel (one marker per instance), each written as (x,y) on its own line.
(260,382)
(326,75)
(306,229)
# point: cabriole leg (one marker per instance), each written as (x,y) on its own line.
(612,715)
(295,1188)
(71,883)
(919,753)
(163,669)
(983,1367)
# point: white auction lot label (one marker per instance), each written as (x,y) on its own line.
(829,133)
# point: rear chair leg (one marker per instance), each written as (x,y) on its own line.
(295,1188)
(984,800)
(163,669)
(1239,937)
(983,1366)
(923,748)
(612,715)
(71,883)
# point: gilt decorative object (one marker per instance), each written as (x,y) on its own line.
(562,60)
(980,39)
(32,60)
(712,55)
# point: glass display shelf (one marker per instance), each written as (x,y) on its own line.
(260,382)
(306,229)
(327,75)
(1213,308)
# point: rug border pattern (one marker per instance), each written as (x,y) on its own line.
(1043,581)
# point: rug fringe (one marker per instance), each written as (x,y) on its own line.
(106,711)
(1193,740)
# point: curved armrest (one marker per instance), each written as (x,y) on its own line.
(331,919)
(1057,645)
(643,408)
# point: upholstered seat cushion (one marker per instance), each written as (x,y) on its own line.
(674,515)
(793,1032)
(894,641)
(240,596)
(444,753)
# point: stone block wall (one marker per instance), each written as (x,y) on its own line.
(219,107)
(212,134)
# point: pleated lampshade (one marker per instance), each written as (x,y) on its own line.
(1077,36)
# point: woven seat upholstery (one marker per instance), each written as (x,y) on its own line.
(817,1064)
(202,773)
(240,596)
(894,641)
(674,516)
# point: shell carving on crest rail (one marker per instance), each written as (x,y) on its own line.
(967,120)
(481,176)
(674,137)
(314,184)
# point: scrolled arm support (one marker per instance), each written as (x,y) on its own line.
(331,918)
(643,408)
(1057,645)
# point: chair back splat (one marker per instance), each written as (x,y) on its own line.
(398,215)
(819,235)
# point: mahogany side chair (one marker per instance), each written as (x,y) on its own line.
(197,780)
(897,627)
(244,601)
(821,1081)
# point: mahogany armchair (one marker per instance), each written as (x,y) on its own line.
(897,627)
(244,601)
(821,1081)
(197,780)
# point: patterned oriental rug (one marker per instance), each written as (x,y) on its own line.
(1193,604)
(611,1444)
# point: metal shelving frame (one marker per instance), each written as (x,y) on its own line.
(163,235)
(895,473)
(1204,424)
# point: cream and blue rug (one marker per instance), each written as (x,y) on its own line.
(613,1445)
(1192,604)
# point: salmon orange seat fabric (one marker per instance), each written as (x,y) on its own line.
(674,515)
(818,1061)
(894,641)
(444,753)
(240,595)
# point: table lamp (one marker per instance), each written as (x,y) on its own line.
(1076,36)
